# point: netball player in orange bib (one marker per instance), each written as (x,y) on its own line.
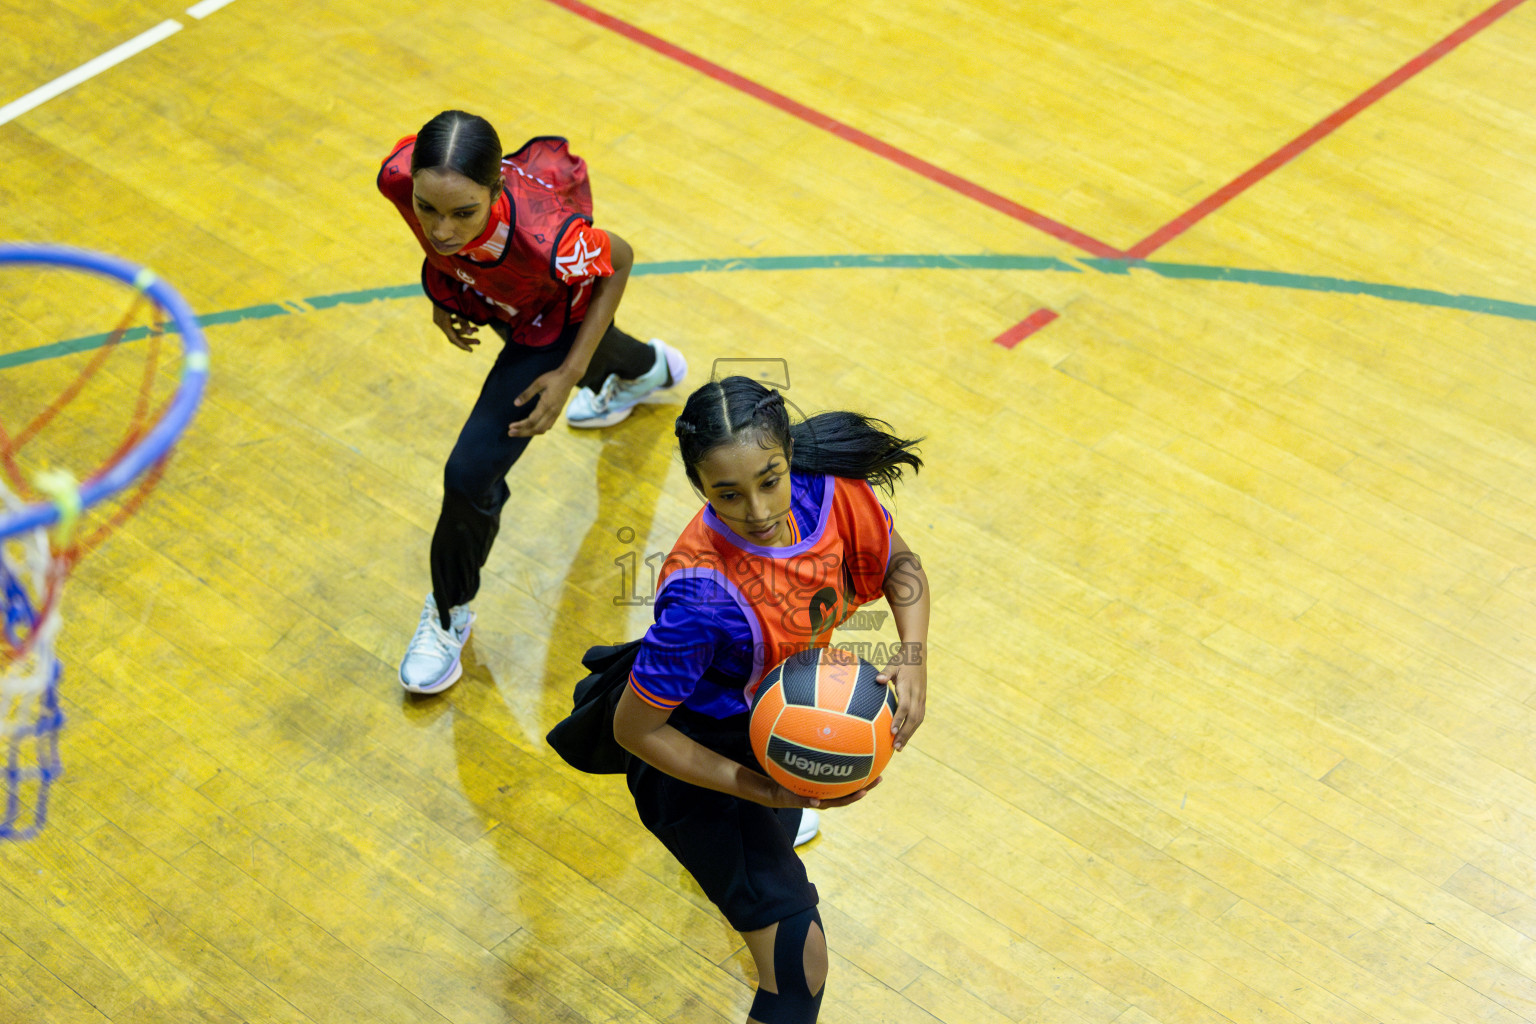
(790,541)
(509,243)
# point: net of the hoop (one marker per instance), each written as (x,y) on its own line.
(88,391)
(30,579)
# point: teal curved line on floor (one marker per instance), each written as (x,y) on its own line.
(1315,283)
(898,261)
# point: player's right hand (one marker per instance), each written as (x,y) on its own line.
(782,797)
(459,330)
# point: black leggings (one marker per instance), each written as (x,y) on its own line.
(475,479)
(740,853)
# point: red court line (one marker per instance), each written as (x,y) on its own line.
(1162,236)
(933,173)
(1285,154)
(1024,328)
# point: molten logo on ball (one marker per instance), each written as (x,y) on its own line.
(816,764)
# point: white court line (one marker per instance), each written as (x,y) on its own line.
(203,8)
(90,69)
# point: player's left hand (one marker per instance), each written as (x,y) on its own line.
(909,674)
(551,389)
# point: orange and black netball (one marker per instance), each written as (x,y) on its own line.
(821,724)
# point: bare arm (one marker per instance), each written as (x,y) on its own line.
(906,591)
(555,386)
(642,729)
(606,293)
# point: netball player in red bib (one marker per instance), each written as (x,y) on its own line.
(510,244)
(790,541)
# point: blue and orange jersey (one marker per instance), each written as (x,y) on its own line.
(728,610)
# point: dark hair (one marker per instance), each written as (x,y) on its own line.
(459,142)
(836,443)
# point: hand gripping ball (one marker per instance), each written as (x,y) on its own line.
(821,725)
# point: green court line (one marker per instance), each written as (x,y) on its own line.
(398,291)
(92,341)
(903,261)
(898,261)
(1312,283)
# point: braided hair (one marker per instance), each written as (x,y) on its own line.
(845,444)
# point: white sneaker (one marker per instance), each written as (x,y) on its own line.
(810,825)
(617,398)
(431,663)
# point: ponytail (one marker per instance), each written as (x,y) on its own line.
(851,445)
(833,443)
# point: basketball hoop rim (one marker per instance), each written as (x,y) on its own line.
(158,441)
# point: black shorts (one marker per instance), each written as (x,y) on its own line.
(742,854)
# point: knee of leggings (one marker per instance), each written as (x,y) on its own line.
(463,480)
(472,490)
(793,1003)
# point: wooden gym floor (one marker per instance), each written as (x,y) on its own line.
(1233,658)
